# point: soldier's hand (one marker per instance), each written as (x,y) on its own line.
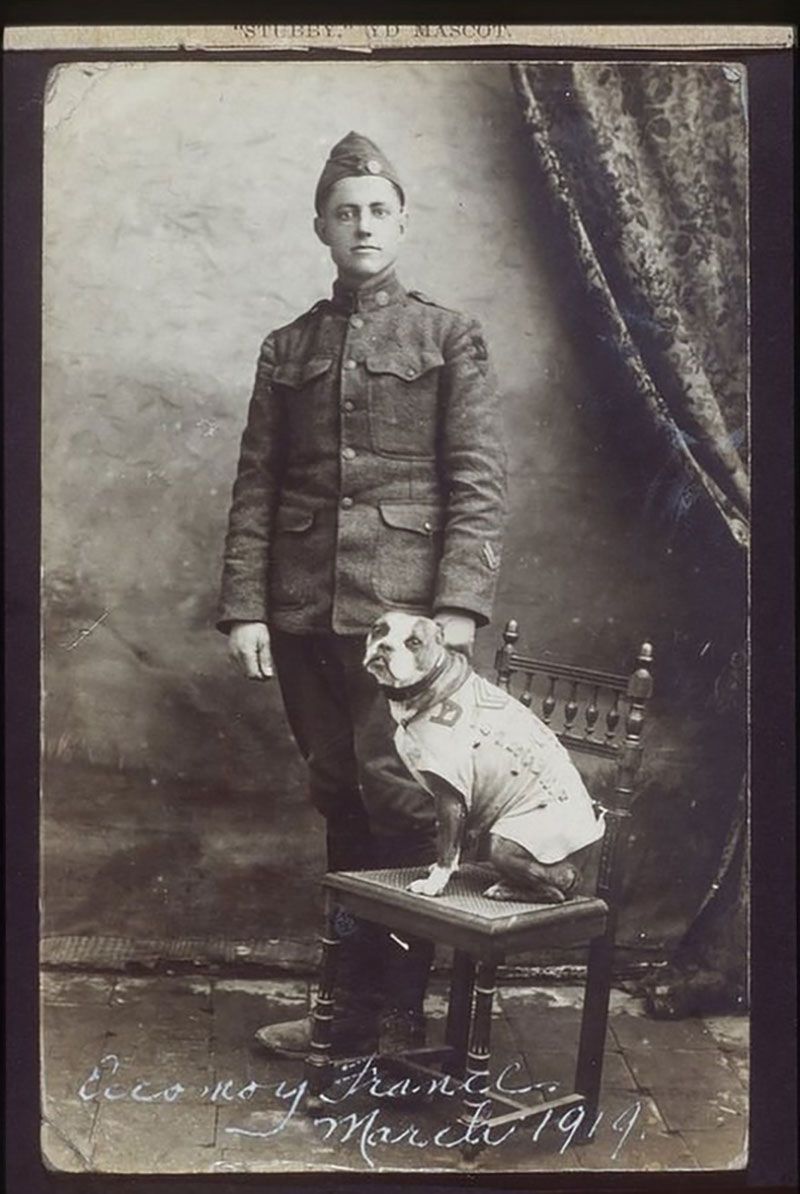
(458,630)
(248,647)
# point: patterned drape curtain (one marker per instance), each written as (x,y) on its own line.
(646,166)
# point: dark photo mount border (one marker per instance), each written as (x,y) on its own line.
(773,957)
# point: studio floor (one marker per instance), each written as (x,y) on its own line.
(159,1074)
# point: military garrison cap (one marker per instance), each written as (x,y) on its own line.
(354,154)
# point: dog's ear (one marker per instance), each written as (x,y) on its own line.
(438,633)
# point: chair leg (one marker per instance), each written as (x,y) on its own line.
(459,1012)
(478,1059)
(480,1043)
(318,1064)
(594,1023)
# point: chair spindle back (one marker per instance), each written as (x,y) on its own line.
(595,712)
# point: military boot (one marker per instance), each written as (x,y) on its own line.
(357,998)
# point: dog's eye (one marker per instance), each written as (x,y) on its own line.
(412,641)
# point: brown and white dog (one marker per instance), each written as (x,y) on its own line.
(427,682)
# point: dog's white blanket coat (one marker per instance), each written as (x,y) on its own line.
(513,773)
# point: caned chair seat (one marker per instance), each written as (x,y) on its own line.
(463,917)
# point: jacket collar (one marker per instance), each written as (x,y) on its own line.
(374,295)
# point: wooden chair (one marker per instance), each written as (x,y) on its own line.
(595,713)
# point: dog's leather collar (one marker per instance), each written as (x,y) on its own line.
(411,691)
(429,692)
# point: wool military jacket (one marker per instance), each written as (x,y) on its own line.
(371,471)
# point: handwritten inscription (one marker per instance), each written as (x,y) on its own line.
(372,1129)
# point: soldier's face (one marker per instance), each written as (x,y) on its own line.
(363,224)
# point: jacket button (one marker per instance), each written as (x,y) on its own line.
(381,298)
(347,502)
(411,373)
(356,321)
(350,363)
(426,526)
(349,453)
(348,405)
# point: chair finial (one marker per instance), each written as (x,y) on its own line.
(511,632)
(505,654)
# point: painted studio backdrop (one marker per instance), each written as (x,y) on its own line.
(178,209)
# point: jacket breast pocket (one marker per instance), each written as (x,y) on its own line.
(408,551)
(292,558)
(403,393)
(306,386)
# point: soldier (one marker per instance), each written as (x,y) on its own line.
(371,475)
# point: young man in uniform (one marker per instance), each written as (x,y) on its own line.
(371,475)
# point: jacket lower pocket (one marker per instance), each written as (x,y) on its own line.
(292,558)
(409,548)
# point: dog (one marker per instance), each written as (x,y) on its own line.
(489,763)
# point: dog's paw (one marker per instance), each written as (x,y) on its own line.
(433,884)
(540,893)
(426,887)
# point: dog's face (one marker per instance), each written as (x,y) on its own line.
(402,648)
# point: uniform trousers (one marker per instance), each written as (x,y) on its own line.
(376,815)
